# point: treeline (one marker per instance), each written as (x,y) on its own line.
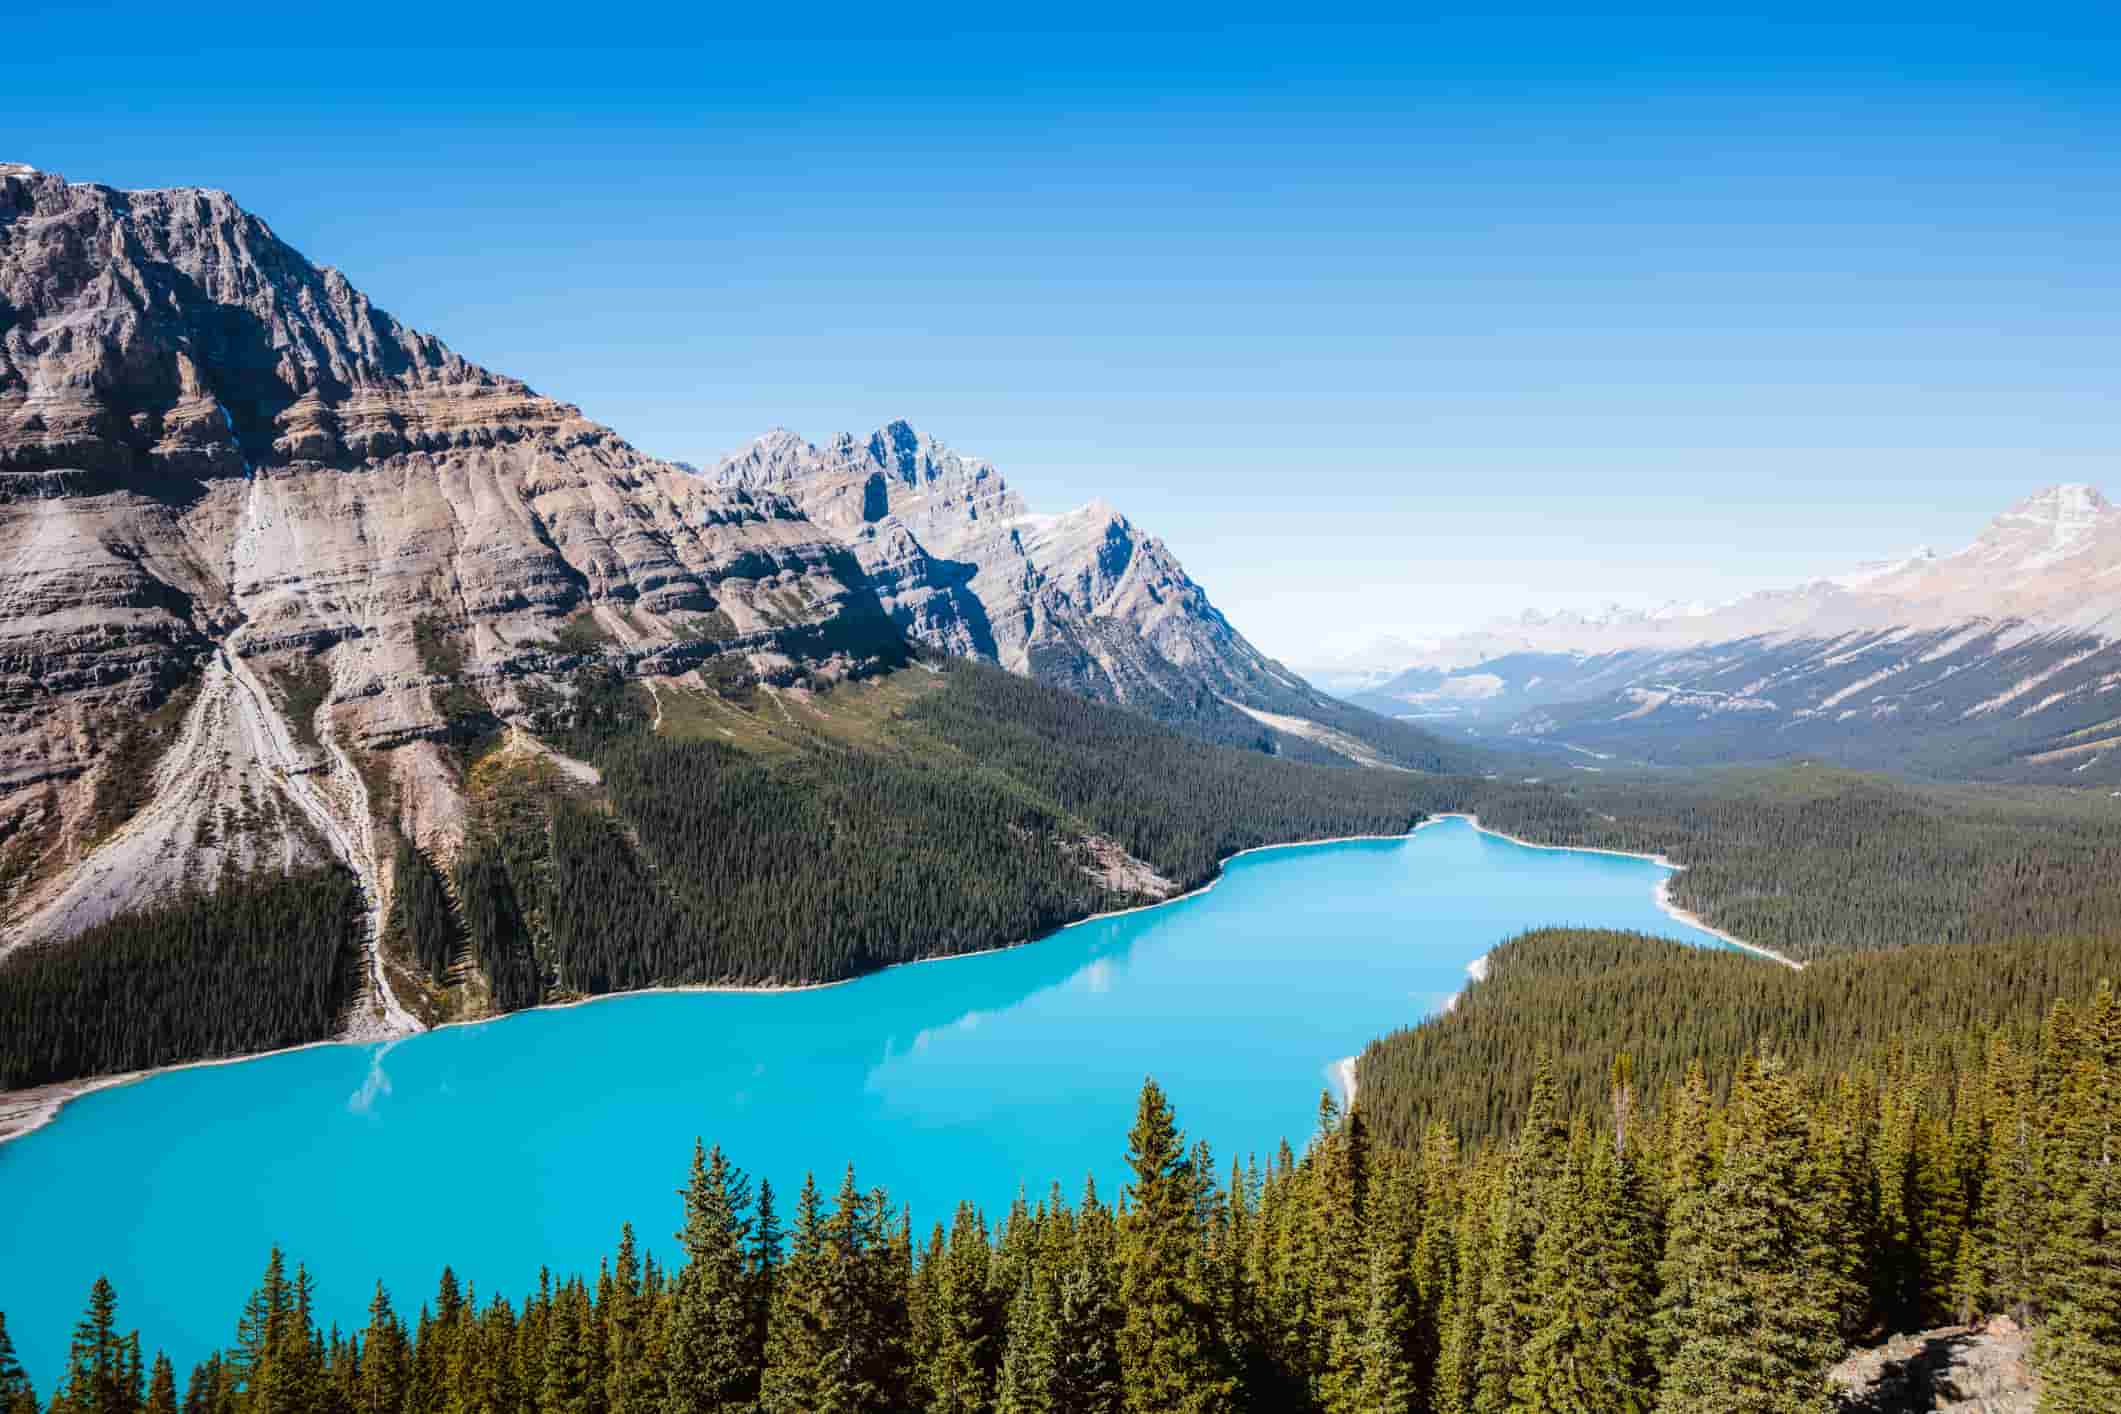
(260,963)
(1578,996)
(702,863)
(714,866)
(423,922)
(1173,801)
(1813,860)
(1716,1260)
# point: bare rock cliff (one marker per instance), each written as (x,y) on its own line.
(223,470)
(1083,599)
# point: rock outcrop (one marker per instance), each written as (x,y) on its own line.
(221,465)
(1083,599)
(1951,1370)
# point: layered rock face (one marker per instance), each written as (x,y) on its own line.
(221,465)
(1082,599)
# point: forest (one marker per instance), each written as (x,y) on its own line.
(704,863)
(1575,996)
(260,963)
(1712,1253)
(1814,860)
(973,814)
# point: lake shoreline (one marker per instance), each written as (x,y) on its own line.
(1663,891)
(24,1112)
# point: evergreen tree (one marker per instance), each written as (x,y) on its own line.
(713,1363)
(1168,1363)
(17,1394)
(2080,1352)
(1756,1335)
(795,1341)
(95,1365)
(1086,1367)
(964,1354)
(567,1379)
(383,1374)
(1030,1374)
(1390,1315)
(161,1387)
(1508,1311)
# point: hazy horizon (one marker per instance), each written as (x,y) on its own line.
(1383,327)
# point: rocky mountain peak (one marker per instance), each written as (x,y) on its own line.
(2048,527)
(165,337)
(223,471)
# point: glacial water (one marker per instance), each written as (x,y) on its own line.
(528,1140)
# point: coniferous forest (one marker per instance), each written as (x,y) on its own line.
(1713,1252)
(1814,860)
(980,812)
(261,963)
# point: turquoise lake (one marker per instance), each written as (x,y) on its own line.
(499,1147)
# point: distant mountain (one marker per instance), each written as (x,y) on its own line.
(2002,659)
(1083,599)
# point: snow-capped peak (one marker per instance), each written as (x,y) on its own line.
(2045,528)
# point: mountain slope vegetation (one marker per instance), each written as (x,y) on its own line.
(1812,861)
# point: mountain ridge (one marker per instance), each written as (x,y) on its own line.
(2002,658)
(1082,599)
(276,565)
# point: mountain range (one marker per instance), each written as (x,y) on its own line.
(269,557)
(2001,659)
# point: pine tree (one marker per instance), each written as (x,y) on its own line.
(17,1394)
(860,1306)
(95,1378)
(1168,1363)
(2079,1352)
(161,1387)
(795,1349)
(1337,1165)
(1586,1354)
(1689,1175)
(567,1375)
(1030,1366)
(1756,1335)
(712,1363)
(382,1382)
(958,1373)
(1086,1368)
(1390,1307)
(1507,1311)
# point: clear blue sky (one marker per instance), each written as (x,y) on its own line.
(1389,324)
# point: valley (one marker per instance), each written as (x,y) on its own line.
(2000,661)
(422,811)
(960,1080)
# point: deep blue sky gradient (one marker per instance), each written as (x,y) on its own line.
(1380,324)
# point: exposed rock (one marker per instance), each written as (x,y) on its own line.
(1951,1370)
(1083,599)
(219,459)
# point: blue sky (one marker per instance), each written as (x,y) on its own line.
(1382,325)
